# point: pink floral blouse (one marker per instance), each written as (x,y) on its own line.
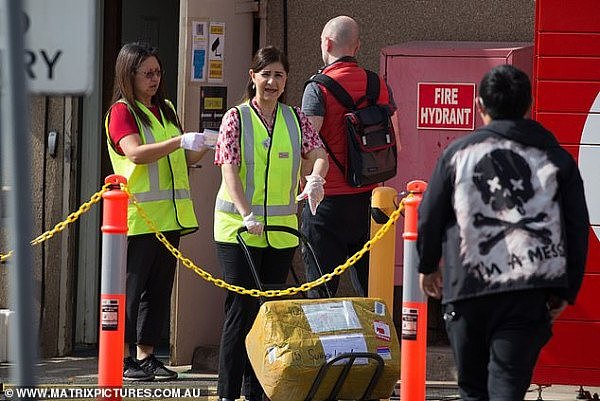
(227,150)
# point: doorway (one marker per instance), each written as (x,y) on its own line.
(157,23)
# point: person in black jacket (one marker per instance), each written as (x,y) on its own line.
(505,208)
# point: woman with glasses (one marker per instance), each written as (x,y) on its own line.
(147,147)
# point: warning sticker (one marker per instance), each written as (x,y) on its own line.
(379,308)
(384,352)
(110,314)
(382,330)
(410,319)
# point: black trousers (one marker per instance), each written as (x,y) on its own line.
(273,266)
(496,341)
(150,274)
(338,230)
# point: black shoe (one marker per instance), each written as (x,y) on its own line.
(132,371)
(155,367)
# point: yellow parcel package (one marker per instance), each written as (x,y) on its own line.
(291,339)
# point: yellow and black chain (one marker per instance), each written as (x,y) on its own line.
(198,270)
(71,218)
(268,293)
(5,257)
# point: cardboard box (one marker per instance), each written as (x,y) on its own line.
(292,339)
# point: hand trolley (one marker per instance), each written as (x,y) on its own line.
(349,358)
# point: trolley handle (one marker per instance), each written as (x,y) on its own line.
(286,229)
(279,228)
(341,379)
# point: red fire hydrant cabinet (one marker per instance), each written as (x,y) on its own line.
(434,86)
(567,101)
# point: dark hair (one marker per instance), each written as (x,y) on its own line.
(262,58)
(129,59)
(506,92)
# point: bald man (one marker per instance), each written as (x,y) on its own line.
(340,226)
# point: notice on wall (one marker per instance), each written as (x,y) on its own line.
(213,104)
(216,47)
(448,106)
(199,50)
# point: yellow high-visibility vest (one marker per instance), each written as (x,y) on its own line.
(270,173)
(161,188)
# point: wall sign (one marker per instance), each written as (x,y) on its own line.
(199,46)
(59,45)
(446,106)
(213,104)
(216,43)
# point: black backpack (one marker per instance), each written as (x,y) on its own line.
(371,156)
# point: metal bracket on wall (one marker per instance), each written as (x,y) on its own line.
(52,143)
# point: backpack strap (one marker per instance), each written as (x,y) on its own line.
(342,96)
(372,87)
(336,89)
(346,100)
(335,160)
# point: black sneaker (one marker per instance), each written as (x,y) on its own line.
(155,367)
(132,371)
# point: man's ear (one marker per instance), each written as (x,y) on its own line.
(328,44)
(480,105)
(357,48)
(482,110)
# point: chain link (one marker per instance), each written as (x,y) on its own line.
(339,270)
(4,258)
(268,293)
(63,224)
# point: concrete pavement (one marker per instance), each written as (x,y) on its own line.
(79,372)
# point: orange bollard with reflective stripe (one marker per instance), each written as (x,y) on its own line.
(414,305)
(112,293)
(382,255)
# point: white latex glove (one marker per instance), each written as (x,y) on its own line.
(313,191)
(192,141)
(253,225)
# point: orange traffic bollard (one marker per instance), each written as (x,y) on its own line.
(382,256)
(414,305)
(112,293)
